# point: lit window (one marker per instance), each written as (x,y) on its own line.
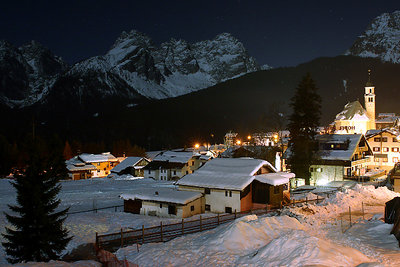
(395,149)
(395,159)
(377,149)
(384,139)
(385,149)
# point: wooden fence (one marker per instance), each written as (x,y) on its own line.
(166,232)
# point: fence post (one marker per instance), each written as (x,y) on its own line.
(161,229)
(350,215)
(97,240)
(183,229)
(201,228)
(142,234)
(218,218)
(122,238)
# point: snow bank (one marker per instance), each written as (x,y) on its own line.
(272,241)
(250,233)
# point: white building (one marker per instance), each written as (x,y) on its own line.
(164,202)
(385,145)
(172,165)
(237,184)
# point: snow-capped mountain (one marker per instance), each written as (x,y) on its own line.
(134,68)
(27,73)
(172,69)
(381,39)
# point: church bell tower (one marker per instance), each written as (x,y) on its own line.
(369,98)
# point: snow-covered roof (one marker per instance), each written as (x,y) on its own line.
(152,154)
(173,156)
(225,173)
(128,162)
(274,178)
(353,111)
(372,133)
(346,153)
(97,157)
(75,164)
(162,194)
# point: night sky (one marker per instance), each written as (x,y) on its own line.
(277,33)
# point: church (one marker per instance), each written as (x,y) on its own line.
(355,119)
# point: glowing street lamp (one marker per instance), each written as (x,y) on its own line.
(248,137)
(196,146)
(238,142)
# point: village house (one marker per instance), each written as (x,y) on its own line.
(237,184)
(163,202)
(172,165)
(386,120)
(340,156)
(86,166)
(131,165)
(385,146)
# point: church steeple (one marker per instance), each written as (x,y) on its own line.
(369,98)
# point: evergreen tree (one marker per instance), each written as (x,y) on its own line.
(37,232)
(303,124)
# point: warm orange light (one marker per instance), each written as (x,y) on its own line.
(238,142)
(196,146)
(249,137)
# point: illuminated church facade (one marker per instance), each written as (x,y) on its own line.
(355,119)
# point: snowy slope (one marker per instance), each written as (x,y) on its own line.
(381,39)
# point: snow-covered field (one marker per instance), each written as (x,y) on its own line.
(307,235)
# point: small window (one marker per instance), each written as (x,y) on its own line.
(192,163)
(226,193)
(385,149)
(149,171)
(228,210)
(384,139)
(394,140)
(191,208)
(376,159)
(207,207)
(376,149)
(384,160)
(377,139)
(174,172)
(160,205)
(172,209)
(395,159)
(230,193)
(311,169)
(395,149)
(207,191)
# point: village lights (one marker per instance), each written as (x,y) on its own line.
(248,137)
(196,146)
(238,142)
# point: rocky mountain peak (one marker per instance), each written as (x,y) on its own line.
(132,38)
(381,39)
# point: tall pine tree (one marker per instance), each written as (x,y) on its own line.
(37,232)
(303,124)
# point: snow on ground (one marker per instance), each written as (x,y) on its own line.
(305,235)
(312,234)
(84,195)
